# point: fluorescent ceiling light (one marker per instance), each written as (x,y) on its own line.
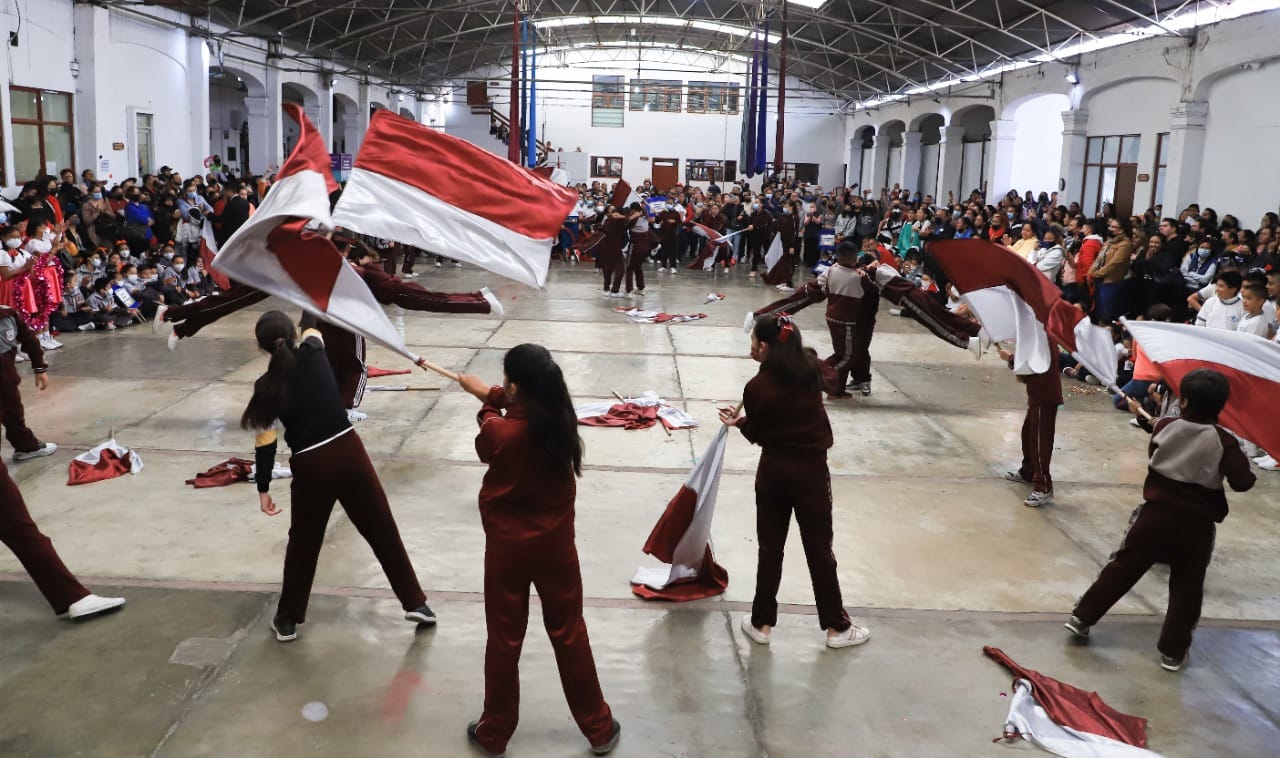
(815,4)
(667,21)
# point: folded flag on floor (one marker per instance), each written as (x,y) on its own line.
(682,537)
(421,187)
(1015,302)
(637,316)
(1250,363)
(279,252)
(635,413)
(234,470)
(1066,720)
(106,461)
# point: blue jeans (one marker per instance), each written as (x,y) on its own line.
(1136,389)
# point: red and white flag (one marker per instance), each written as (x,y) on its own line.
(1015,302)
(1250,363)
(707,257)
(623,196)
(419,187)
(209,251)
(278,252)
(774,254)
(682,537)
(106,461)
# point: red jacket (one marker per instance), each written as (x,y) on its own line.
(1088,253)
(521,498)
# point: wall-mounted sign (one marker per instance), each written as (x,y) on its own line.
(1144,177)
(117,145)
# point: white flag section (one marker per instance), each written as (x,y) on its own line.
(774,254)
(277,252)
(682,536)
(1030,722)
(420,187)
(1008,318)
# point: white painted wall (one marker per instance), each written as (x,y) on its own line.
(1038,146)
(1240,160)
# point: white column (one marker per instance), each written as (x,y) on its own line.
(879,166)
(275,119)
(999,173)
(853,164)
(909,178)
(1075,128)
(324,115)
(198,85)
(950,160)
(260,151)
(362,117)
(1186,155)
(93,137)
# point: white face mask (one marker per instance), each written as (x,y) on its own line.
(13,243)
(39,246)
(599,209)
(48,235)
(133,278)
(168,256)
(96,262)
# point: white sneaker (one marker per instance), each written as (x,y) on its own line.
(753,634)
(159,319)
(785,288)
(895,311)
(1037,499)
(671,271)
(92,605)
(409,275)
(354,415)
(1267,463)
(457,264)
(86,327)
(975,347)
(439,264)
(19,358)
(47,448)
(495,307)
(662,269)
(640,293)
(48,343)
(1134,423)
(173,341)
(854,635)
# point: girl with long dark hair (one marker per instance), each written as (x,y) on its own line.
(329,465)
(527,509)
(782,412)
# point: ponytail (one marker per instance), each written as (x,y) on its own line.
(788,358)
(553,424)
(275,334)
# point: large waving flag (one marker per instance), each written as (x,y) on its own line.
(1014,301)
(623,196)
(278,252)
(1250,363)
(707,257)
(419,187)
(682,537)
(774,253)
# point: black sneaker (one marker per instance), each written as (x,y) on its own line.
(471,737)
(286,631)
(1174,664)
(608,747)
(423,616)
(1077,627)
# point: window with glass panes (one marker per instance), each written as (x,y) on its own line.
(1162,165)
(1103,158)
(712,97)
(43,132)
(656,95)
(608,94)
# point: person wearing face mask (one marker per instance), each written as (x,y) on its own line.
(39,293)
(667,223)
(138,221)
(191,200)
(787,223)
(1109,271)
(760,230)
(812,228)
(1200,266)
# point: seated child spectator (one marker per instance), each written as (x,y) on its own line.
(1254,320)
(74,313)
(1223,310)
(107,309)
(1144,372)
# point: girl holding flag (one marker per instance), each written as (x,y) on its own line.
(782,411)
(529,437)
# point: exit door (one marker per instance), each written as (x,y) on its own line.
(666,173)
(1126,185)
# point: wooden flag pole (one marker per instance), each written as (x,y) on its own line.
(427,365)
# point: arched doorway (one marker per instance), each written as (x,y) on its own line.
(233,125)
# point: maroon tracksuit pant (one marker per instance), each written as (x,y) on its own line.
(635,264)
(863,331)
(1037,445)
(340,471)
(786,484)
(34,550)
(191,318)
(12,414)
(1158,534)
(550,564)
(612,267)
(844,343)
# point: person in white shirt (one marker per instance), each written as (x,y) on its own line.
(1255,319)
(1048,259)
(1224,310)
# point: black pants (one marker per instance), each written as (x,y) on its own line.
(810,252)
(669,253)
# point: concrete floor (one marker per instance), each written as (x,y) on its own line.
(937,555)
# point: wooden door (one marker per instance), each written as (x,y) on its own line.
(666,173)
(1126,185)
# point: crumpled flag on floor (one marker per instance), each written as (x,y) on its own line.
(637,316)
(714,297)
(682,537)
(1066,720)
(234,470)
(634,413)
(106,461)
